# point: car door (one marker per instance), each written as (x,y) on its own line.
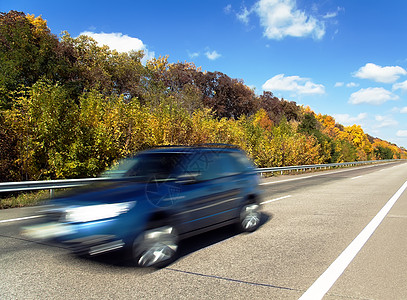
(211,198)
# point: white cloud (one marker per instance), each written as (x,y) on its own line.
(374,96)
(402,133)
(293,84)
(120,42)
(380,74)
(330,15)
(346,119)
(333,14)
(385,121)
(349,85)
(400,85)
(404,110)
(352,84)
(117,41)
(244,16)
(212,55)
(193,54)
(281,18)
(228,9)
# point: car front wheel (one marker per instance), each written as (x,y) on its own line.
(156,248)
(250,216)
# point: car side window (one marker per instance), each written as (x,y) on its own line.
(216,164)
(204,165)
(210,167)
(228,165)
(241,162)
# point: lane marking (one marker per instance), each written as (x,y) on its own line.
(276,199)
(286,180)
(315,175)
(19,219)
(356,177)
(322,285)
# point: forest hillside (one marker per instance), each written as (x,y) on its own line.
(69,108)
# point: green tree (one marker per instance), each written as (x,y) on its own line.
(383,152)
(44,120)
(105,70)
(9,168)
(28,52)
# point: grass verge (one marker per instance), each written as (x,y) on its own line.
(24,199)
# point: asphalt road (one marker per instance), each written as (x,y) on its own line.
(322,236)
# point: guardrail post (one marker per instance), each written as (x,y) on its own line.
(51,193)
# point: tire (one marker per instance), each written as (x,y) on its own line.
(156,248)
(249,217)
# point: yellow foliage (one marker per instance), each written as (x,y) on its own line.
(358,138)
(39,23)
(159,64)
(328,124)
(262,119)
(308,110)
(397,152)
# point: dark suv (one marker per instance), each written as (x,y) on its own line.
(154,199)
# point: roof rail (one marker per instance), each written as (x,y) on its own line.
(217,145)
(169,146)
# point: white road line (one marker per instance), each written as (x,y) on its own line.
(356,177)
(315,175)
(322,285)
(276,199)
(285,180)
(19,219)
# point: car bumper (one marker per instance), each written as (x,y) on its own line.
(91,238)
(94,244)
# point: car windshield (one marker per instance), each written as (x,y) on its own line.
(148,166)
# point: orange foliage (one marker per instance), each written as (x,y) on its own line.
(329,127)
(262,119)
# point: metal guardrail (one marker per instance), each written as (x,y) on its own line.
(321,166)
(67,183)
(46,184)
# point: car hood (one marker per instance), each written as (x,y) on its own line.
(103,193)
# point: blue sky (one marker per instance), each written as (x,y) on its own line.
(344,58)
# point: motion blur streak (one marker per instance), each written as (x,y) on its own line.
(19,219)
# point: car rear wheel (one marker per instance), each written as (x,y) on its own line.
(157,248)
(250,216)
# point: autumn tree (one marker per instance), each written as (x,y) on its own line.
(106,70)
(28,52)
(228,97)
(279,108)
(271,105)
(356,136)
(43,120)
(176,81)
(330,127)
(9,167)
(383,152)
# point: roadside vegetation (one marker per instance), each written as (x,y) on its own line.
(69,108)
(24,199)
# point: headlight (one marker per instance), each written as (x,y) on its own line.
(97,212)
